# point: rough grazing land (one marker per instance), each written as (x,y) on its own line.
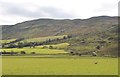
(64,66)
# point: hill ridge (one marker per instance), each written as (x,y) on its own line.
(51,27)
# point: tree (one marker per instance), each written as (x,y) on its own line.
(98,47)
(51,47)
(20,45)
(49,40)
(64,37)
(3,45)
(58,39)
(11,45)
(23,52)
(69,36)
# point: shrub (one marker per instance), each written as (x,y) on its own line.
(32,52)
(51,47)
(23,52)
(20,45)
(72,53)
(80,54)
(98,47)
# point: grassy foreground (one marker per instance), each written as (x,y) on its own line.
(59,66)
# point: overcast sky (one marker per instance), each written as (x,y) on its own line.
(14,11)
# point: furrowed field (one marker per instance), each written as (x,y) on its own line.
(32,65)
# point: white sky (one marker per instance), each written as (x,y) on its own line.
(14,11)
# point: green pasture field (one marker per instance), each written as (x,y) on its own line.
(14,65)
(40,39)
(7,41)
(40,49)
(57,46)
(36,50)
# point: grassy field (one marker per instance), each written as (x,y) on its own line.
(7,41)
(57,46)
(59,66)
(40,49)
(36,50)
(40,39)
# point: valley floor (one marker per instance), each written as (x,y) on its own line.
(14,65)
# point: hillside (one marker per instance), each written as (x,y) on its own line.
(83,36)
(53,27)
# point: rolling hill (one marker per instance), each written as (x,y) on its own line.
(54,27)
